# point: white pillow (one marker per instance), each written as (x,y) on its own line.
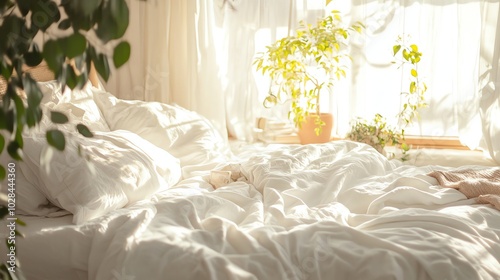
(183,133)
(29,199)
(78,105)
(114,170)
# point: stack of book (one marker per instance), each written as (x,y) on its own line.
(276,131)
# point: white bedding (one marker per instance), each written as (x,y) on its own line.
(333,211)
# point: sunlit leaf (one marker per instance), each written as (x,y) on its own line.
(413,87)
(396,49)
(270,101)
(406,54)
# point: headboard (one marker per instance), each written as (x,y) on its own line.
(42,73)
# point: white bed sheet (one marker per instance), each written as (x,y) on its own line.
(51,249)
(338,210)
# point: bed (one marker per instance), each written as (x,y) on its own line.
(158,193)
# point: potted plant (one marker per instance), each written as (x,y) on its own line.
(306,65)
(377,133)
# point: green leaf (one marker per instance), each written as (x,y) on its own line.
(2,143)
(396,49)
(33,116)
(24,7)
(20,110)
(74,45)
(53,55)
(64,24)
(15,40)
(13,150)
(405,147)
(44,13)
(2,173)
(10,120)
(55,138)
(31,88)
(114,20)
(6,70)
(71,78)
(58,117)
(413,87)
(84,130)
(100,63)
(4,211)
(34,57)
(270,101)
(121,54)
(406,55)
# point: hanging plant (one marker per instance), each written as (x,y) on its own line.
(415,96)
(377,132)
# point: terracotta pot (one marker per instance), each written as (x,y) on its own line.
(307,134)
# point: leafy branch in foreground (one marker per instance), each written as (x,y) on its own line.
(86,27)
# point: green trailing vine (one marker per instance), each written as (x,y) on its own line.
(415,96)
(376,132)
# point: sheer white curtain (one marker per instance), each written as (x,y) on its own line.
(489,79)
(199,53)
(248,26)
(175,52)
(460,42)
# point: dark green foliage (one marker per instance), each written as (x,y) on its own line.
(21,21)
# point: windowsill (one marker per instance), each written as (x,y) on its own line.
(447,157)
(432,151)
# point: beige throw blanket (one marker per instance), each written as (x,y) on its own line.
(484,184)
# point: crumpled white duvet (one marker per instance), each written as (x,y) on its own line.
(332,211)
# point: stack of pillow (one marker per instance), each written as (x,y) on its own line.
(138,148)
